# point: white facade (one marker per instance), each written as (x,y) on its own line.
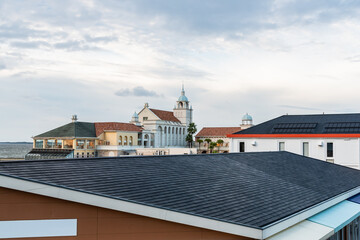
(161,131)
(346,151)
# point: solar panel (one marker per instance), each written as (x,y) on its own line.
(294,128)
(342,127)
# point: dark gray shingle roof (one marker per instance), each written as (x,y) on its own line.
(250,189)
(73,129)
(311,124)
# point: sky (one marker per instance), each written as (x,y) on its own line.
(103,59)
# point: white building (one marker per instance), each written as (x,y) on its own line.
(165,128)
(333,138)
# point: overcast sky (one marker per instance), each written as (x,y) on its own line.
(102,60)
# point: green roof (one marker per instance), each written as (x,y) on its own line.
(73,129)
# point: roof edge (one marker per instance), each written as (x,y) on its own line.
(290,135)
(33,187)
(291,220)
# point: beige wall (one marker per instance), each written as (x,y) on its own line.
(96,223)
(114,136)
(147,113)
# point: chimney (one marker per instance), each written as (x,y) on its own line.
(74,118)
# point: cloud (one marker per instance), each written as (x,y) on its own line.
(355,58)
(137,92)
(2,66)
(19,30)
(102,39)
(74,45)
(30,44)
(300,108)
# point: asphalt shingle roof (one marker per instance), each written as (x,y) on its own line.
(73,129)
(324,123)
(250,189)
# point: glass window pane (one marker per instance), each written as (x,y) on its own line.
(306,149)
(330,149)
(281,146)
(242,147)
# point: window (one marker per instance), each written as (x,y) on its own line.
(145,118)
(305,149)
(39,143)
(330,149)
(242,147)
(120,140)
(68,143)
(90,144)
(281,146)
(80,144)
(125,140)
(131,141)
(50,143)
(59,143)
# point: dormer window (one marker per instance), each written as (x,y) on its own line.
(145,118)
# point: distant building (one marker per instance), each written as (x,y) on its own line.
(150,132)
(214,134)
(329,137)
(217,133)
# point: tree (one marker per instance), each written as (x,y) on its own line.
(219,143)
(191,130)
(212,145)
(199,141)
(189,139)
(208,140)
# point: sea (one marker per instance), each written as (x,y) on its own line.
(14,150)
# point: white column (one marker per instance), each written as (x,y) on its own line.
(163,138)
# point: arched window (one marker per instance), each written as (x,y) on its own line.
(181,105)
(172,130)
(176,130)
(169,130)
(120,140)
(125,140)
(131,141)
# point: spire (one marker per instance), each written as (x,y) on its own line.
(182,90)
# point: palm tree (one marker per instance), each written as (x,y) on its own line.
(212,145)
(219,143)
(208,140)
(199,141)
(191,130)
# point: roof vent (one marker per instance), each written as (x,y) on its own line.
(74,118)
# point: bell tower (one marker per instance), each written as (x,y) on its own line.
(182,109)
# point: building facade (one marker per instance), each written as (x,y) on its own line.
(219,133)
(166,128)
(334,138)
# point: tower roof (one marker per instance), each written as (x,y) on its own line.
(183,98)
(247,117)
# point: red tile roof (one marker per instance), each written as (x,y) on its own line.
(100,127)
(165,115)
(217,131)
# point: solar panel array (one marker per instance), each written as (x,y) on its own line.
(294,128)
(342,127)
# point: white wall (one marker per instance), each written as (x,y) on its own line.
(346,151)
